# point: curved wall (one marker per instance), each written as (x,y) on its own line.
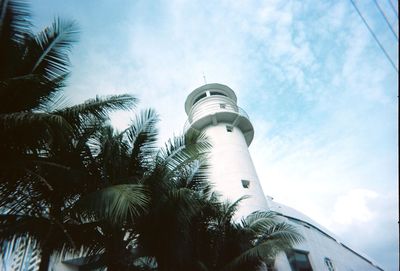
(230,165)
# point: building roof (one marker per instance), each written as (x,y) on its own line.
(293,214)
(214,86)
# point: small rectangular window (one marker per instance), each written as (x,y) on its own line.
(229,128)
(245,183)
(223,106)
(298,260)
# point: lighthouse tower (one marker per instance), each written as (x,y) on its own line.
(213,109)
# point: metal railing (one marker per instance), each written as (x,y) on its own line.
(211,108)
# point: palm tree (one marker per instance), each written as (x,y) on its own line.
(73,181)
(41,208)
(228,245)
(133,168)
(122,159)
(44,146)
(34,69)
(180,193)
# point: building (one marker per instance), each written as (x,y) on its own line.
(213,109)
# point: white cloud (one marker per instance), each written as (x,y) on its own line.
(320,94)
(353,207)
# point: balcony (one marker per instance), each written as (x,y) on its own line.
(216,110)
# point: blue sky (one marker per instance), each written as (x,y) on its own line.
(321,95)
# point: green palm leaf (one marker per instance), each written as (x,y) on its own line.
(97,108)
(142,136)
(259,222)
(50,48)
(275,239)
(27,92)
(180,152)
(42,127)
(229,209)
(117,204)
(284,232)
(185,204)
(14,23)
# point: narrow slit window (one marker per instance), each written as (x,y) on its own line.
(246,183)
(229,128)
(212,93)
(329,264)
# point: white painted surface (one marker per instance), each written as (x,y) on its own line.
(319,247)
(230,159)
(230,164)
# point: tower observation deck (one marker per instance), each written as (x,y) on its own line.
(213,109)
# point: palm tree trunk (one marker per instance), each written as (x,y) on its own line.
(45,259)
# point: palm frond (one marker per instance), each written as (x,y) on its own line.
(145,264)
(283,232)
(142,136)
(14,21)
(186,204)
(112,155)
(13,226)
(32,129)
(32,91)
(117,204)
(258,252)
(229,209)
(22,197)
(259,221)
(51,48)
(278,238)
(180,152)
(196,176)
(97,108)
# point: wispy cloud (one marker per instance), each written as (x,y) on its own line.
(320,93)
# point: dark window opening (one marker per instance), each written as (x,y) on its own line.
(298,260)
(200,97)
(222,106)
(229,128)
(329,264)
(212,93)
(245,183)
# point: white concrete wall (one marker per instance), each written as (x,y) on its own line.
(211,105)
(320,246)
(230,163)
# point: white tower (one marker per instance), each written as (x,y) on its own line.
(212,109)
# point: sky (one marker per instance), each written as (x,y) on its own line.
(320,92)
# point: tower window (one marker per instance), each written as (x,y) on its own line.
(229,128)
(329,264)
(200,97)
(245,183)
(212,93)
(298,260)
(222,105)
